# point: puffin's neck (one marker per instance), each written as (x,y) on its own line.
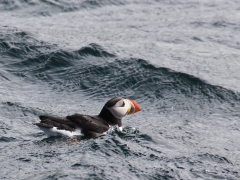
(109,117)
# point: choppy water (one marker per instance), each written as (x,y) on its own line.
(178,59)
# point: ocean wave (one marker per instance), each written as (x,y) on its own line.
(49,7)
(99,73)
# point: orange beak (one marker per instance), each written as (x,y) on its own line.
(136,106)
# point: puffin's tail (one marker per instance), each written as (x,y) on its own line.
(58,122)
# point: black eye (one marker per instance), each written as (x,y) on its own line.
(123,104)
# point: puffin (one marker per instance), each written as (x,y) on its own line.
(92,126)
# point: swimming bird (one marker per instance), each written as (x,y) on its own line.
(93,126)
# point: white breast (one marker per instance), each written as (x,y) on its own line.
(60,132)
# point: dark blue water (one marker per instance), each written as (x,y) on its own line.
(178,59)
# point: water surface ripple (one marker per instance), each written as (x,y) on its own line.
(64,57)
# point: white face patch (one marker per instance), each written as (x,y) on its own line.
(121,108)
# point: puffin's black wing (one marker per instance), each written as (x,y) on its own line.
(59,122)
(89,123)
(92,126)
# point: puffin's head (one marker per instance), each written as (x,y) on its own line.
(120,107)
